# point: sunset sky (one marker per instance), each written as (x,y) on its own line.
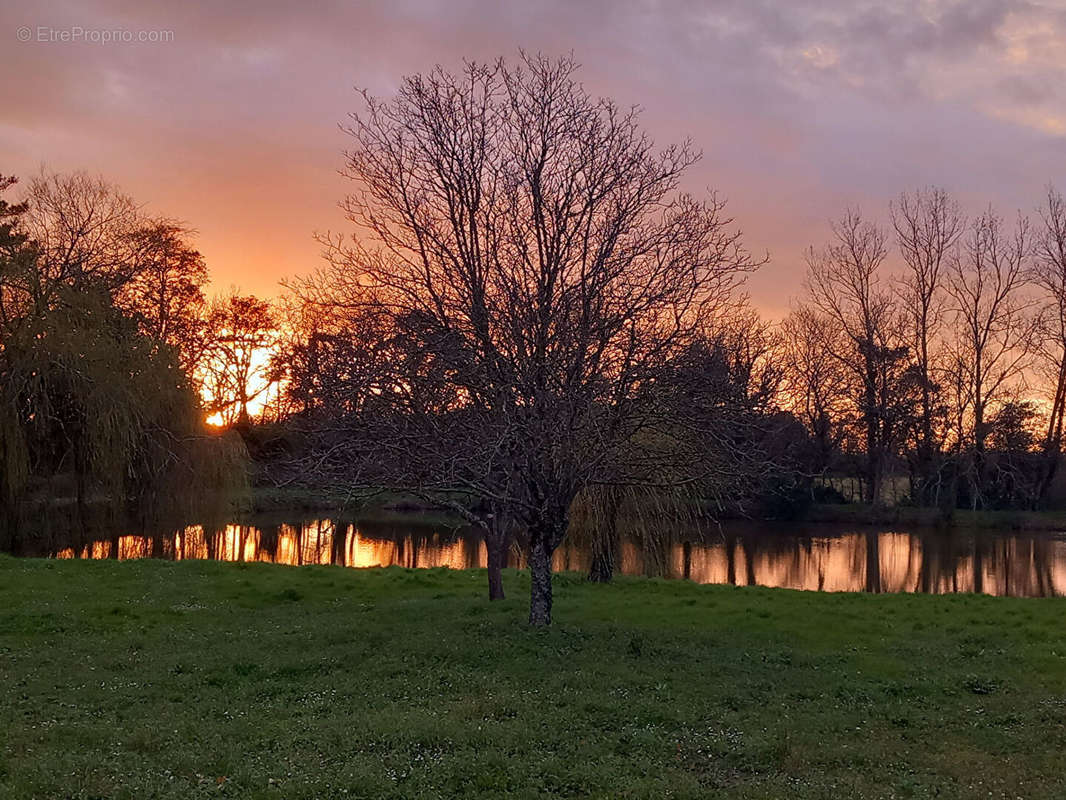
(801,108)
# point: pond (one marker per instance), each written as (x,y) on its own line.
(816,557)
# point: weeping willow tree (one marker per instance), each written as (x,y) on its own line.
(718,446)
(645,506)
(690,479)
(91,409)
(16,256)
(647,516)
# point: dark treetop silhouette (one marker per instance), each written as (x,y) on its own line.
(532,257)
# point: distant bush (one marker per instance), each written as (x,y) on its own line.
(828,495)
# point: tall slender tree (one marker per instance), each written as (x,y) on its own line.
(927,224)
(1049,274)
(816,382)
(846,285)
(994,329)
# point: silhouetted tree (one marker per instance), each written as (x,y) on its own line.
(927,225)
(165,292)
(85,232)
(845,284)
(529,240)
(1049,274)
(993,328)
(17,257)
(236,361)
(816,383)
(331,359)
(1013,475)
(83,392)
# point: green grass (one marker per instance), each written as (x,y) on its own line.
(150,679)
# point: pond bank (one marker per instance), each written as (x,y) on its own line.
(376,504)
(389,503)
(911,516)
(151,678)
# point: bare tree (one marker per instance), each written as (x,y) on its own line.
(83,392)
(816,383)
(92,237)
(1049,274)
(531,243)
(845,285)
(750,350)
(330,358)
(987,278)
(165,291)
(236,365)
(84,228)
(928,224)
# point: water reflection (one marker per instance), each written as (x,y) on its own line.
(817,558)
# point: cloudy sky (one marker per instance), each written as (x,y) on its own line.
(801,108)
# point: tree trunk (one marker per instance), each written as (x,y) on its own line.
(8,526)
(540,593)
(601,570)
(873,439)
(605,545)
(926,466)
(496,544)
(979,436)
(1053,440)
(244,422)
(875,478)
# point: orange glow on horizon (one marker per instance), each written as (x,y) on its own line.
(264,393)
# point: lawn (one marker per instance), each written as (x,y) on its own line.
(150,679)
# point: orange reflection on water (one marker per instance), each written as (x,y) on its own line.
(882,562)
(876,561)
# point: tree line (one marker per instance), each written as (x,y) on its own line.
(533,322)
(949,370)
(104,334)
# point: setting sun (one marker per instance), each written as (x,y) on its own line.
(263,393)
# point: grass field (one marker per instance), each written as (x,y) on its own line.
(151,679)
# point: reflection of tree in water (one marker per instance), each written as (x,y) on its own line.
(341,532)
(212,538)
(872,540)
(1025,565)
(815,557)
(425,545)
(313,541)
(876,561)
(269,540)
(940,559)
